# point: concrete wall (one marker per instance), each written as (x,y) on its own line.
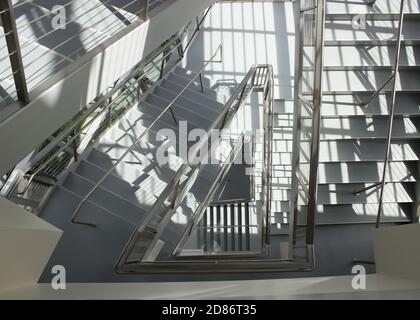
(396,251)
(72,88)
(26,243)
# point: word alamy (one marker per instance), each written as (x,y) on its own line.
(199,146)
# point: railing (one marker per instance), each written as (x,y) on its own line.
(66,147)
(137,258)
(24,64)
(137,140)
(310,22)
(394,78)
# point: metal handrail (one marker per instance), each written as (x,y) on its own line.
(222,120)
(75,214)
(268,84)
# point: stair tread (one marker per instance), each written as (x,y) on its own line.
(343,193)
(355,172)
(120,207)
(348,105)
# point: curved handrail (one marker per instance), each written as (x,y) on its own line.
(141,136)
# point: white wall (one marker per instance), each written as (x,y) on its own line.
(26,243)
(396,251)
(67,92)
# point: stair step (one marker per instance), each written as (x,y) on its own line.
(107,200)
(381,29)
(366,172)
(191,93)
(357,213)
(116,151)
(369,56)
(143,193)
(195,85)
(149,157)
(349,105)
(94,249)
(188,98)
(123,170)
(361,7)
(360,80)
(149,141)
(197,117)
(188,74)
(367,150)
(367,127)
(343,193)
(280,207)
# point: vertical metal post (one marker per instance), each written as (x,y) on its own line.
(240,226)
(110,112)
(201,82)
(198,23)
(219,229)
(212,210)
(247,228)
(232,228)
(205,247)
(296,123)
(225,228)
(74,144)
(391,113)
(144,7)
(180,49)
(316,120)
(8,21)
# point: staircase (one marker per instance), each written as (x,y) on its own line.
(353,137)
(123,200)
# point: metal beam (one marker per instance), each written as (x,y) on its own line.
(8,21)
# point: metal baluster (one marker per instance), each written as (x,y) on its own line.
(239,226)
(232,223)
(225,227)
(247,229)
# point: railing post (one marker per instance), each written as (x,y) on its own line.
(296,123)
(316,121)
(144,8)
(391,113)
(74,145)
(8,21)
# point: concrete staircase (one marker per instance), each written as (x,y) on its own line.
(123,200)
